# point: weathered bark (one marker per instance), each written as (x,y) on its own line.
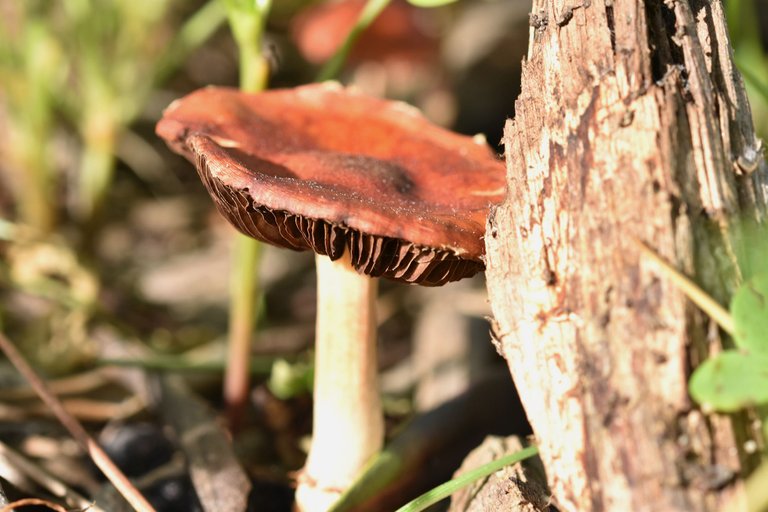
(520,487)
(632,125)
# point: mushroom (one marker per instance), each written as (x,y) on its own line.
(375,190)
(399,33)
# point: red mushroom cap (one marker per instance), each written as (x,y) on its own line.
(395,34)
(322,167)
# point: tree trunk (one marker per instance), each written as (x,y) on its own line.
(632,125)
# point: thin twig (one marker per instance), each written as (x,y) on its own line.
(43,478)
(97,454)
(30,502)
(72,385)
(82,409)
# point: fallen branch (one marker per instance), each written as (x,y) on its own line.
(86,442)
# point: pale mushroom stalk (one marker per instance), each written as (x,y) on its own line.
(348,426)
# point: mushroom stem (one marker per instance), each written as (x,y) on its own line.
(348,422)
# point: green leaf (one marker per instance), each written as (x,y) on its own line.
(288,380)
(749,309)
(731,381)
(430,3)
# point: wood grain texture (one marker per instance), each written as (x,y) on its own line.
(520,487)
(632,125)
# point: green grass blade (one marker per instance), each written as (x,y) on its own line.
(444,490)
(247,22)
(196,30)
(698,296)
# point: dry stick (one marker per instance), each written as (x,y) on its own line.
(41,477)
(99,457)
(74,384)
(32,502)
(3,498)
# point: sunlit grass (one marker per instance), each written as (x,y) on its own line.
(88,67)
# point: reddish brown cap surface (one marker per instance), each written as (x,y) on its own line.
(322,167)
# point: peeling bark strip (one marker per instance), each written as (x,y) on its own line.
(632,124)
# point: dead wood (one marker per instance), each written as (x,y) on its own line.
(632,124)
